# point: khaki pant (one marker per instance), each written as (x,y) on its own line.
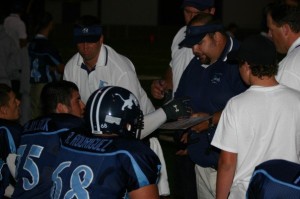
(163,183)
(206,179)
(35,93)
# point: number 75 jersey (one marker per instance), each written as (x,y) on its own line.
(37,152)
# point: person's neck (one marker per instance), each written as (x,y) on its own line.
(45,31)
(264,81)
(91,64)
(220,46)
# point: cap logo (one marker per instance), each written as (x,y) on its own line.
(85,30)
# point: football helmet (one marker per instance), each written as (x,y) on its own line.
(114,110)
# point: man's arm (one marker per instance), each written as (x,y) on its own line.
(158,87)
(60,68)
(22,43)
(169,78)
(147,192)
(206,124)
(226,170)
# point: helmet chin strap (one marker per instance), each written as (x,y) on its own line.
(138,134)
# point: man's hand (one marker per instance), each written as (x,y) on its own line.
(181,152)
(201,126)
(177,108)
(158,88)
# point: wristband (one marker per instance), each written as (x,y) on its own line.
(211,122)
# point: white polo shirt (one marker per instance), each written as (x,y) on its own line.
(289,68)
(181,57)
(8,52)
(113,69)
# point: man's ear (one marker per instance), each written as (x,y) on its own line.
(3,110)
(286,29)
(218,37)
(62,108)
(247,68)
(212,11)
(101,39)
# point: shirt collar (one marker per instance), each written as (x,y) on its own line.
(14,15)
(227,49)
(294,45)
(40,36)
(103,57)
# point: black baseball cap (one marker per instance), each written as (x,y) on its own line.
(89,34)
(194,34)
(199,4)
(255,49)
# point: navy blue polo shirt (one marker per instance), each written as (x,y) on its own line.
(209,89)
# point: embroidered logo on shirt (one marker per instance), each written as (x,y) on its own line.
(216,78)
(102,83)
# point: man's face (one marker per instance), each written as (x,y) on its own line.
(276,33)
(12,108)
(189,12)
(76,105)
(89,51)
(204,50)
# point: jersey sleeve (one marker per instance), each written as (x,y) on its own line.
(5,176)
(143,168)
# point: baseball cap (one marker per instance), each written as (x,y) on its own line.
(255,49)
(198,4)
(194,34)
(89,34)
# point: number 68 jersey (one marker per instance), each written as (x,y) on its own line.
(102,167)
(37,152)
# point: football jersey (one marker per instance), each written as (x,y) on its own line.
(37,152)
(102,167)
(9,139)
(43,56)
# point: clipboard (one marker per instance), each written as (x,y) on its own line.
(183,124)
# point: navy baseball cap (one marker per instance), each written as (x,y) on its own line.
(89,34)
(194,34)
(199,4)
(255,49)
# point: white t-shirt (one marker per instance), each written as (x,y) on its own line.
(181,57)
(289,68)
(260,124)
(8,53)
(15,27)
(113,69)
